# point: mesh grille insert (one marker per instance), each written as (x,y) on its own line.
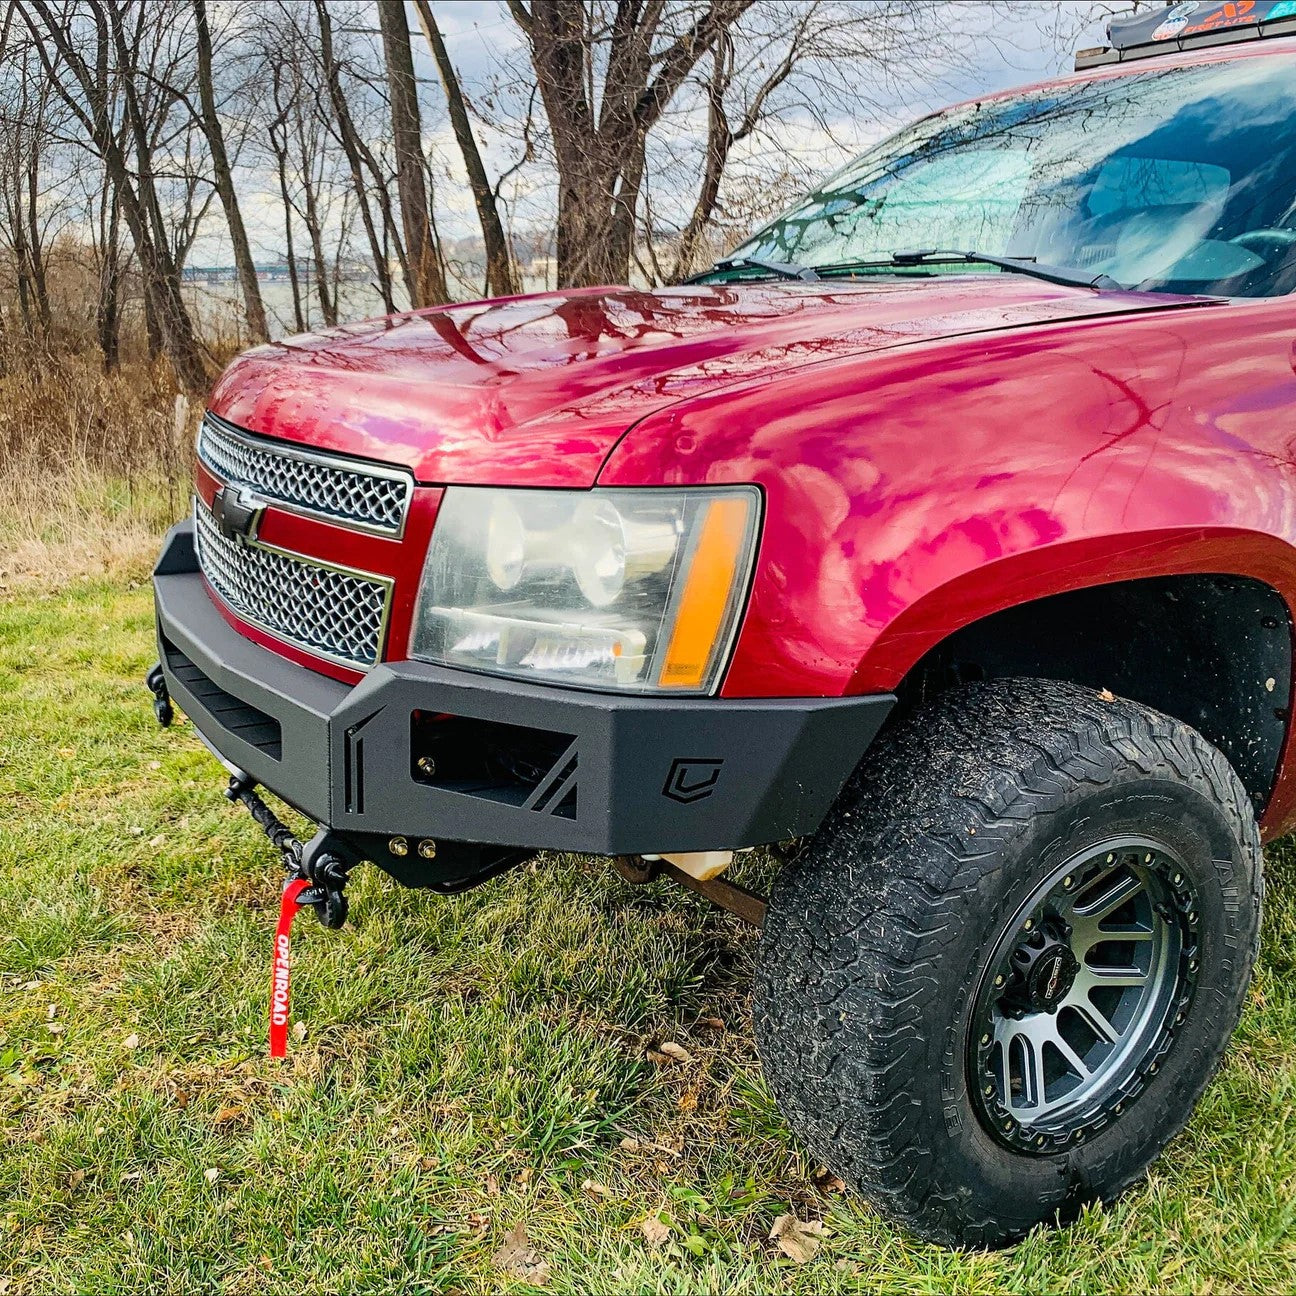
(337,614)
(357,494)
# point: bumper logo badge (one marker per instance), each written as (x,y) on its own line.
(691,779)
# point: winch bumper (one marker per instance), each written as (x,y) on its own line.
(424,756)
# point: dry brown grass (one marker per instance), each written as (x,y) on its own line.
(92,465)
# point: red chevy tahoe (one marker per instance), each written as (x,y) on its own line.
(945,530)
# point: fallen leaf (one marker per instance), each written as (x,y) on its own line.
(155,765)
(629,1143)
(596,1189)
(516,1257)
(132,1176)
(157,841)
(211,1174)
(525,1177)
(67,752)
(227,1114)
(676,1051)
(798,1240)
(131,1041)
(76,1178)
(716,1023)
(1107,695)
(492,1186)
(51,1012)
(654,1231)
(54,1028)
(660,1059)
(299,1031)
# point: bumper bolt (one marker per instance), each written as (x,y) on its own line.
(427,848)
(399,847)
(426,766)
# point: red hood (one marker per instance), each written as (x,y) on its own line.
(537,390)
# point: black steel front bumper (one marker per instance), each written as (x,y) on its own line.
(422,753)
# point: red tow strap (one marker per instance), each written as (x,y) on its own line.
(281,975)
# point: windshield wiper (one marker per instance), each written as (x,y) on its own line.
(784,269)
(1016,265)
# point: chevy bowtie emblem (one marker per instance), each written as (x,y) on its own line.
(236,511)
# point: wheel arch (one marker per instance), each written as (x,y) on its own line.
(1202,630)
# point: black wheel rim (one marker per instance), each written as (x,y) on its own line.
(1083,994)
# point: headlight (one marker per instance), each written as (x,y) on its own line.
(634,590)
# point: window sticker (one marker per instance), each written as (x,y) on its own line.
(1175,21)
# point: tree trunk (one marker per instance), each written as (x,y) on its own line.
(211,124)
(427,284)
(499,265)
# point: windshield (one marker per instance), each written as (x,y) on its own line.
(1174,180)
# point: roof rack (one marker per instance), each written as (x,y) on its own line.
(1194,24)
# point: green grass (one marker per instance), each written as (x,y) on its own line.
(469,1063)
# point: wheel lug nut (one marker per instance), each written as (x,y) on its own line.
(1147,859)
(1028,925)
(1178,877)
(1152,1068)
(1068,882)
(1120,1107)
(985,1039)
(1111,859)
(999,980)
(988,1091)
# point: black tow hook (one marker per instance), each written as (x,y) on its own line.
(317,862)
(157,685)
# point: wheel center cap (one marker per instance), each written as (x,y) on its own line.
(1050,977)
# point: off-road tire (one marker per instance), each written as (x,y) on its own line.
(877,938)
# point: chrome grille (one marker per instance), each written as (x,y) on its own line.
(339,490)
(326,610)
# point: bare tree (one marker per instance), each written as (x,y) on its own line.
(209,118)
(499,263)
(426,273)
(85,84)
(605,86)
(359,157)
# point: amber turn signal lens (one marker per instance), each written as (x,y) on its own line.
(708,589)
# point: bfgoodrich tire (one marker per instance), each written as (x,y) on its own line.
(997,982)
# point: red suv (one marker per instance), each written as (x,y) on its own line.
(942,534)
